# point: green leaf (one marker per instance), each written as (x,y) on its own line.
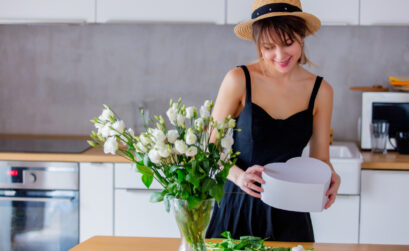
(156,197)
(194,180)
(144,170)
(217,192)
(147,180)
(181,175)
(192,202)
(174,168)
(207,185)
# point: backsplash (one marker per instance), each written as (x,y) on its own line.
(55,78)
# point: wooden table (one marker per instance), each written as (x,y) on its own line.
(110,243)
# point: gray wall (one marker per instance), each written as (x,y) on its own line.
(55,78)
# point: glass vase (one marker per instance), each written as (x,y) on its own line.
(192,223)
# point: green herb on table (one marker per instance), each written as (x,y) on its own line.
(247,243)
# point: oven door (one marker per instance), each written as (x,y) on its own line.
(38,220)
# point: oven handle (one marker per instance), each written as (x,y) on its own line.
(39,199)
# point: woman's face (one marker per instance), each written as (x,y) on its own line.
(281,57)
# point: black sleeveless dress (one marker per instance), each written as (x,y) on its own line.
(264,140)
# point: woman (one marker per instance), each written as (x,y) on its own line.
(280,107)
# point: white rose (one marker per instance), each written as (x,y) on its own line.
(154,156)
(191,151)
(227,141)
(172,115)
(110,145)
(106,114)
(207,104)
(131,132)
(105,131)
(158,135)
(172,136)
(98,126)
(199,124)
(298,248)
(180,146)
(204,112)
(191,138)
(118,127)
(141,148)
(145,139)
(164,152)
(160,145)
(231,123)
(190,112)
(180,120)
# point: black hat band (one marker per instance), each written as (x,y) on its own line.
(274,7)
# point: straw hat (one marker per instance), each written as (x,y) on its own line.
(271,8)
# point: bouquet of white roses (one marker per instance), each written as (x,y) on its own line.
(183,160)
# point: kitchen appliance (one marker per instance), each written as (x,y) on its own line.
(42,144)
(38,206)
(390,106)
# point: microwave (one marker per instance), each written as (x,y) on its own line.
(390,106)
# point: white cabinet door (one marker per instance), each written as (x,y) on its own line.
(339,223)
(46,11)
(202,11)
(238,11)
(331,12)
(381,12)
(384,207)
(96,199)
(135,215)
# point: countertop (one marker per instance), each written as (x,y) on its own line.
(109,243)
(390,161)
(90,155)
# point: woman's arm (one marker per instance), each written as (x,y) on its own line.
(319,143)
(230,101)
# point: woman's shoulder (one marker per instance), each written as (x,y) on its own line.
(235,79)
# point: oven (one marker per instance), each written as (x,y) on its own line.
(38,206)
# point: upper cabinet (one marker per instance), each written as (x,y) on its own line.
(331,12)
(47,11)
(381,12)
(192,11)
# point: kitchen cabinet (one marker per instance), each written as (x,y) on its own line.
(191,11)
(380,12)
(96,199)
(135,215)
(384,207)
(339,223)
(47,11)
(331,12)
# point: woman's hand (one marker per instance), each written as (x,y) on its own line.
(333,189)
(247,178)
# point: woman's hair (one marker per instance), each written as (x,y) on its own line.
(286,27)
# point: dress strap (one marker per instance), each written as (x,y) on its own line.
(317,85)
(248,83)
